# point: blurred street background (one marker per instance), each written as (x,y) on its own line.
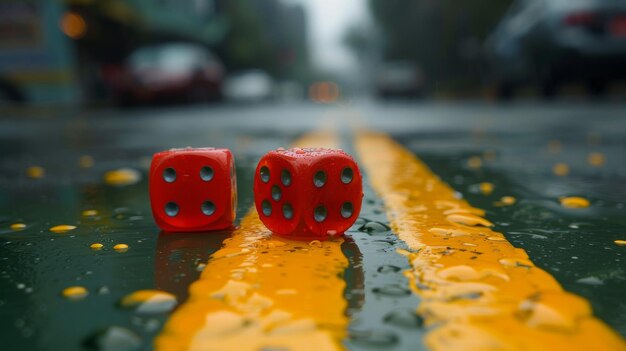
(526,96)
(138,52)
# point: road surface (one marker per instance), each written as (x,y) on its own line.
(53,165)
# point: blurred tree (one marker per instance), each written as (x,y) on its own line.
(443,36)
(269,35)
(245,45)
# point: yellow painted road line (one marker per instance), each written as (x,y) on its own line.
(265,292)
(478,291)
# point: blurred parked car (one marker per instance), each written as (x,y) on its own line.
(249,86)
(399,79)
(550,42)
(167,72)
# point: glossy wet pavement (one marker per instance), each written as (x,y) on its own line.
(517,147)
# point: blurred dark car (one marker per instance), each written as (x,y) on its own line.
(550,42)
(169,72)
(399,79)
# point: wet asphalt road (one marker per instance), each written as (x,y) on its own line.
(518,144)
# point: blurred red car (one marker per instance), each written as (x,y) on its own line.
(168,72)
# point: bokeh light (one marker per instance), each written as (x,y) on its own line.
(73,25)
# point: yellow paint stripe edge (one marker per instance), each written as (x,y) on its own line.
(265,292)
(478,291)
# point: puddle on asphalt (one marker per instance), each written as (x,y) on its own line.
(386,318)
(109,252)
(90,250)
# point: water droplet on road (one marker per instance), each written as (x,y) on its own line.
(89,213)
(486,188)
(149,301)
(388,269)
(392,290)
(516,262)
(373,338)
(490,155)
(374,228)
(35,172)
(86,161)
(18,226)
(506,201)
(555,146)
(474,162)
(560,169)
(596,159)
(122,177)
(591,280)
(574,202)
(120,247)
(315,243)
(406,318)
(115,338)
(74,293)
(361,221)
(96,246)
(469,219)
(63,228)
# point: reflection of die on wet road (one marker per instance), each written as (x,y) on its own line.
(308,192)
(193,189)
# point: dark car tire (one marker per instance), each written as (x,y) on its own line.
(548,89)
(126,101)
(197,93)
(548,82)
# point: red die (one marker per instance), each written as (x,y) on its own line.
(308,192)
(193,190)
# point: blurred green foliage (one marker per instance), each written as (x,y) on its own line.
(269,35)
(246,45)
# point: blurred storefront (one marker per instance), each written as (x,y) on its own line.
(36,60)
(56,52)
(62,51)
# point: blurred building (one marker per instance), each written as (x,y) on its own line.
(286,30)
(36,60)
(443,37)
(270,35)
(57,51)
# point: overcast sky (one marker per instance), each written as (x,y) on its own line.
(328,20)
